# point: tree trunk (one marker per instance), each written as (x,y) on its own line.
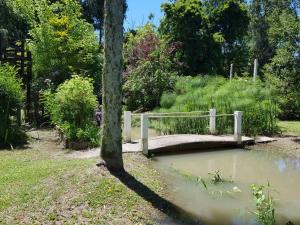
(111,146)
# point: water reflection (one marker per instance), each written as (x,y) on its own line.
(282,164)
(244,168)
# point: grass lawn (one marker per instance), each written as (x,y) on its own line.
(42,185)
(290,127)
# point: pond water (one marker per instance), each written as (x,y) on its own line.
(224,204)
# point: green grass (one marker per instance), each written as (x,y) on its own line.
(21,172)
(256,100)
(290,127)
(43,186)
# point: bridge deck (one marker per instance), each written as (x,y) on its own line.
(186,142)
(178,143)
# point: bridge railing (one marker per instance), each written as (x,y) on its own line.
(212,115)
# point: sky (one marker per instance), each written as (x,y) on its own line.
(139,10)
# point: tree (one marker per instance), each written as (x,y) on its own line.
(229,19)
(284,66)
(185,22)
(93,13)
(13,25)
(63,43)
(261,48)
(111,147)
(211,33)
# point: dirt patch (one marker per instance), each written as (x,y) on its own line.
(288,145)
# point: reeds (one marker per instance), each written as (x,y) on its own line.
(256,99)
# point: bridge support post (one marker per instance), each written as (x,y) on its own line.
(144,134)
(212,121)
(238,126)
(127,126)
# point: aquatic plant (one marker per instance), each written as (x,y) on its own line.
(216,177)
(265,211)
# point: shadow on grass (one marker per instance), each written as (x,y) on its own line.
(174,212)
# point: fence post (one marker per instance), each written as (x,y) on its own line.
(127,126)
(144,134)
(238,126)
(212,121)
(231,71)
(255,69)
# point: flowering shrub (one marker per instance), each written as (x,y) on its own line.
(148,70)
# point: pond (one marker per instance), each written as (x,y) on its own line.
(231,202)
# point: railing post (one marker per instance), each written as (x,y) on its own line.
(212,121)
(231,71)
(238,126)
(255,69)
(144,134)
(127,126)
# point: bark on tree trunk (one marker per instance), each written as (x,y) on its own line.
(111,146)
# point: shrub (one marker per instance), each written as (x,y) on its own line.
(148,71)
(255,99)
(145,85)
(11,98)
(71,109)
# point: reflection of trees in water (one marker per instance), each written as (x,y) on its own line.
(283,163)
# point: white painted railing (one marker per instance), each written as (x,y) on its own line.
(212,123)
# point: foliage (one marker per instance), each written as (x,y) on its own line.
(265,210)
(260,45)
(185,22)
(148,70)
(210,32)
(63,43)
(11,98)
(255,99)
(15,25)
(71,109)
(229,20)
(216,177)
(284,67)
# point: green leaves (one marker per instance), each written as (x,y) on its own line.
(11,98)
(256,100)
(72,108)
(63,43)
(265,211)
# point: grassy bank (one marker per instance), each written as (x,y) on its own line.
(255,99)
(42,185)
(290,127)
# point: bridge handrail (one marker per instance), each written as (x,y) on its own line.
(237,115)
(186,116)
(170,113)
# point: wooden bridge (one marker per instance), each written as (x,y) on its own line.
(186,142)
(183,142)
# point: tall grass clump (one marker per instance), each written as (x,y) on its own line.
(255,99)
(11,99)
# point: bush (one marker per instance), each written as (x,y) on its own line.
(256,100)
(148,71)
(11,98)
(145,85)
(72,108)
